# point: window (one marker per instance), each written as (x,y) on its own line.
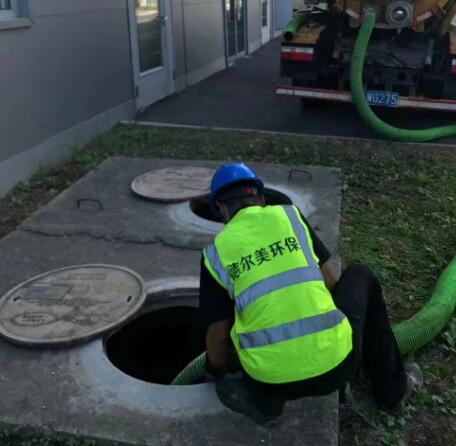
(264,13)
(14,14)
(8,9)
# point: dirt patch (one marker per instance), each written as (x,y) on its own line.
(30,196)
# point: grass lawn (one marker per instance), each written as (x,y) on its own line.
(398,216)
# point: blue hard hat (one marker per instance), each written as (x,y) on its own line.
(230,174)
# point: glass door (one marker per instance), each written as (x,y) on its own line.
(150,39)
(235,11)
(265,21)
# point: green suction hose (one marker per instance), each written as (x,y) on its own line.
(193,373)
(292,28)
(432,318)
(411,334)
(357,90)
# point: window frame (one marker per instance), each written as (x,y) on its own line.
(265,17)
(16,17)
(12,13)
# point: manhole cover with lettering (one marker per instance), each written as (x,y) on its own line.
(70,305)
(173,184)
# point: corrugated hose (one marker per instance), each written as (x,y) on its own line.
(359,98)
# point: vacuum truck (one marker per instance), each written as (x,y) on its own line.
(390,53)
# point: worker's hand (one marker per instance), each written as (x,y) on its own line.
(328,275)
(211,373)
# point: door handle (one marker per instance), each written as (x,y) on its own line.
(164,19)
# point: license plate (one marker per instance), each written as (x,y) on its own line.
(382,98)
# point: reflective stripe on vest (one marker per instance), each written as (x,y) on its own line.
(286,325)
(274,283)
(300,233)
(283,280)
(222,273)
(291,330)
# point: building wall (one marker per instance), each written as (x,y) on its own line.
(178,26)
(69,67)
(254,24)
(199,41)
(68,76)
(199,37)
(283,13)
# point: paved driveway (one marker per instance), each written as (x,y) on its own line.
(243,96)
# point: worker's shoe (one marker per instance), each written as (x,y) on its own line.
(415,382)
(233,394)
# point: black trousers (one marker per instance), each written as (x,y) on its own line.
(358,295)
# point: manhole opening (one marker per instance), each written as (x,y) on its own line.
(157,345)
(202,208)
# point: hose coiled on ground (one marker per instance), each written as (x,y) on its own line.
(361,104)
(425,325)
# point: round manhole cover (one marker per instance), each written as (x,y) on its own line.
(70,305)
(173,184)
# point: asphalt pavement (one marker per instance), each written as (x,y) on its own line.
(243,96)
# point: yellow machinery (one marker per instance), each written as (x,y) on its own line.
(410,61)
(421,16)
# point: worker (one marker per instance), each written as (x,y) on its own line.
(277,313)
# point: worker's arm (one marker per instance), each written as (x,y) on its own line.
(218,345)
(328,274)
(323,256)
(217,308)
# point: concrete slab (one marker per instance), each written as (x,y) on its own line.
(77,390)
(102,205)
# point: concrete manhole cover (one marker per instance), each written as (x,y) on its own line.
(173,184)
(70,305)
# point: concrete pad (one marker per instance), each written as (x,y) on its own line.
(77,390)
(109,210)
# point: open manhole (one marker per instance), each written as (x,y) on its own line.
(202,208)
(158,345)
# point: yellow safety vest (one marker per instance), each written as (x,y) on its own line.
(286,327)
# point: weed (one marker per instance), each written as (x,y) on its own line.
(17,200)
